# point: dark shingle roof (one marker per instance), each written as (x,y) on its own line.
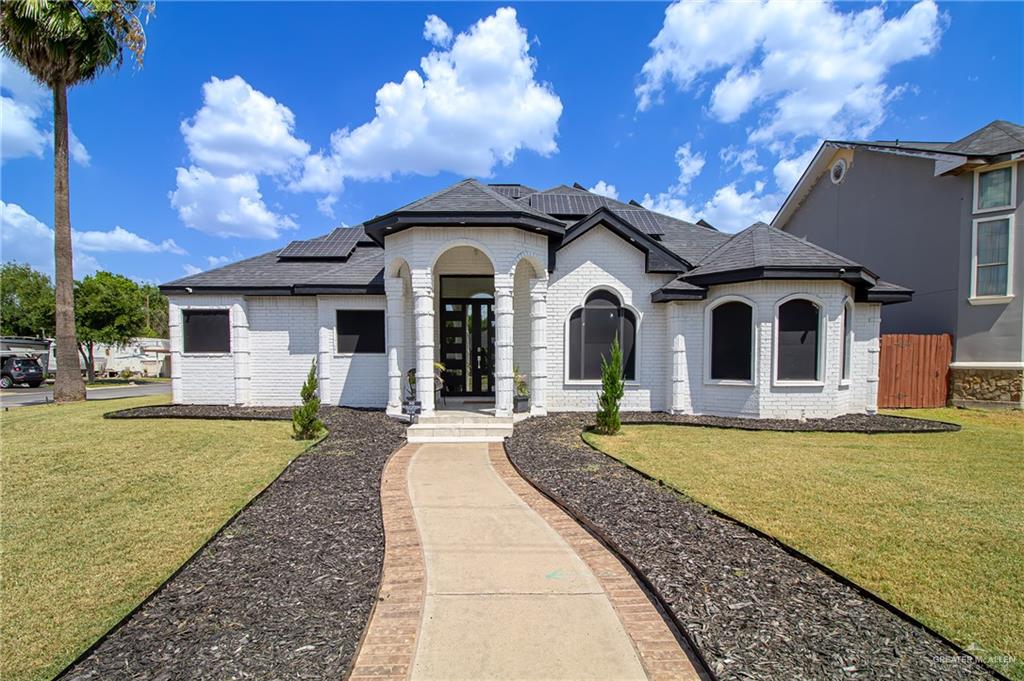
(763,246)
(995,139)
(513,191)
(468,196)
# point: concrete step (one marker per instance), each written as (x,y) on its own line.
(459,432)
(463,418)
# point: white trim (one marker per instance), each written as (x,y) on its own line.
(821,338)
(708,310)
(991,300)
(846,343)
(628,382)
(1013,187)
(986,365)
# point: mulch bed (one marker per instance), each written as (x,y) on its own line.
(285,589)
(753,610)
(203,411)
(848,423)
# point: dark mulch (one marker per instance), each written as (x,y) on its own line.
(848,423)
(284,591)
(203,411)
(753,610)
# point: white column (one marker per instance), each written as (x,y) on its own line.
(240,351)
(394,288)
(326,321)
(680,401)
(504,383)
(177,347)
(874,350)
(538,346)
(423,309)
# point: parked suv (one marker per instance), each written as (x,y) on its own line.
(21,370)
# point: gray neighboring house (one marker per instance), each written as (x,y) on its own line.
(945,219)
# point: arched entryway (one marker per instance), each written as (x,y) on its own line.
(465,314)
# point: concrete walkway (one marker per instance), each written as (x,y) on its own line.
(498,591)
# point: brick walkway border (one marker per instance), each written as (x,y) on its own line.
(659,651)
(389,642)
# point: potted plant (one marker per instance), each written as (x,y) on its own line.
(410,377)
(521,397)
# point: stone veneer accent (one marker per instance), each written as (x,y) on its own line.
(389,643)
(660,653)
(987,387)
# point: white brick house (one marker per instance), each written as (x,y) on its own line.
(491,281)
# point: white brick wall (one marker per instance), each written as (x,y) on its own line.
(204,378)
(355,380)
(283,341)
(599,259)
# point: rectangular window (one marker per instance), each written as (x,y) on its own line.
(206,331)
(361,331)
(994,189)
(992,257)
(798,341)
(847,341)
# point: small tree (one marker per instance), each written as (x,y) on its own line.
(26,302)
(108,309)
(304,419)
(612,388)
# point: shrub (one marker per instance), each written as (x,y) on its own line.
(304,419)
(612,388)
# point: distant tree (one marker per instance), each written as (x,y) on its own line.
(108,309)
(63,43)
(155,310)
(612,389)
(26,302)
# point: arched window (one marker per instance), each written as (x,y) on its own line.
(797,341)
(847,339)
(591,331)
(731,343)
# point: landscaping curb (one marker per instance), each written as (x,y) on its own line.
(675,626)
(759,425)
(869,595)
(195,554)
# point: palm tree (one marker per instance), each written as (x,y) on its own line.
(63,43)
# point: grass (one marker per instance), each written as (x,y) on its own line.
(932,523)
(97,513)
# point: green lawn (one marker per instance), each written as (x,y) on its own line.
(95,514)
(933,523)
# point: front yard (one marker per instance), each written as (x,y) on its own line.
(97,513)
(932,523)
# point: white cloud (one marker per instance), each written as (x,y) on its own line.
(191,269)
(25,239)
(436,31)
(474,106)
(729,209)
(605,189)
(240,129)
(745,160)
(225,206)
(120,240)
(817,71)
(673,200)
(788,170)
(325,204)
(25,117)
(218,260)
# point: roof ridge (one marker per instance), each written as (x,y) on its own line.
(1010,128)
(814,246)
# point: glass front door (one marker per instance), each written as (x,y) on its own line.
(467,346)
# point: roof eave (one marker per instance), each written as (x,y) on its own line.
(624,230)
(855,276)
(295,289)
(669,296)
(393,223)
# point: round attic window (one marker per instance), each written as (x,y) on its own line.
(838,171)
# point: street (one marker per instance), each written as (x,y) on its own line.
(21,397)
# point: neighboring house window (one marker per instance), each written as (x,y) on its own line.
(206,330)
(731,342)
(847,339)
(994,189)
(797,340)
(361,331)
(992,257)
(592,329)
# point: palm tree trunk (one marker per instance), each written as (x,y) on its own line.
(69,386)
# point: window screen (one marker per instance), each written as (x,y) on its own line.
(730,341)
(206,330)
(361,331)
(798,341)
(995,189)
(992,257)
(591,332)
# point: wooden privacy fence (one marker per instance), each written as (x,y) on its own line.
(913,370)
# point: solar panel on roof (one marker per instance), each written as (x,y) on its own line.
(644,220)
(338,244)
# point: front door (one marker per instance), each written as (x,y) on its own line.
(467,346)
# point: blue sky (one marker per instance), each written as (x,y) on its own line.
(254,124)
